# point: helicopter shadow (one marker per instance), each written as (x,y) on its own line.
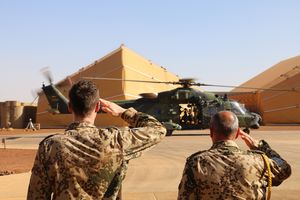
(190,134)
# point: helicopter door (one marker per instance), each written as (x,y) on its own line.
(189,114)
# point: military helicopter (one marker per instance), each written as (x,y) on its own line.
(182,108)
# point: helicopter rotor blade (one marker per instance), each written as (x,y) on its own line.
(35,95)
(242,87)
(129,80)
(190,82)
(47,74)
(34,100)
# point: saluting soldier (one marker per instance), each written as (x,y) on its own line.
(226,172)
(86,162)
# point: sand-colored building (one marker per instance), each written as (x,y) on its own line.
(122,63)
(14,114)
(276,107)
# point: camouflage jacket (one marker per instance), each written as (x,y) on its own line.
(227,172)
(90,163)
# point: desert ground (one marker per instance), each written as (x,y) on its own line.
(155,175)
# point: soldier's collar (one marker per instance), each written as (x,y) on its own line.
(75,125)
(226,143)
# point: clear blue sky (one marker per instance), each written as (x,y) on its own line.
(218,42)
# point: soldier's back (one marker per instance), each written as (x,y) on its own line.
(227,172)
(83,163)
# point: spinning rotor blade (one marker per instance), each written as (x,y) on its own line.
(34,100)
(191,82)
(242,87)
(128,80)
(47,73)
(35,95)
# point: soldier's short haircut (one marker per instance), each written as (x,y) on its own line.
(83,96)
(223,124)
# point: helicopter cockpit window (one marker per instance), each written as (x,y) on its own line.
(237,109)
(183,95)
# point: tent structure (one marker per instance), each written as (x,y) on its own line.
(276,107)
(122,63)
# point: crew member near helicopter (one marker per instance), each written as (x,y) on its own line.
(86,162)
(227,172)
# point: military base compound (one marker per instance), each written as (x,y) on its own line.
(275,107)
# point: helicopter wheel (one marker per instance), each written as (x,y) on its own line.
(169,132)
(247,130)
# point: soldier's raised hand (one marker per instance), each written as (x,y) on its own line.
(111,108)
(250,141)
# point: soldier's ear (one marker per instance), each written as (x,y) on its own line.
(237,133)
(97,107)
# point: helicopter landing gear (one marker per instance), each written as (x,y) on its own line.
(247,130)
(169,132)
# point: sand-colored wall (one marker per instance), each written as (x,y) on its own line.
(282,107)
(273,76)
(16,114)
(138,68)
(277,107)
(251,100)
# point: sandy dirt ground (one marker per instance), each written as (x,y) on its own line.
(24,132)
(14,161)
(157,173)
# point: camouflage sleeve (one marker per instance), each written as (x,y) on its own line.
(187,186)
(281,170)
(146,131)
(39,186)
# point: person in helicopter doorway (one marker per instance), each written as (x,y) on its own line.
(226,172)
(184,118)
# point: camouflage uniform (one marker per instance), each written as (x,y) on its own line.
(90,163)
(227,172)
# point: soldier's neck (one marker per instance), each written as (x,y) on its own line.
(87,119)
(220,137)
(222,140)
